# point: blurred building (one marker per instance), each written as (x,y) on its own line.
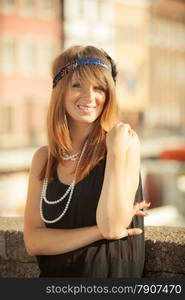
(132,55)
(90,22)
(150,51)
(146,38)
(167,66)
(30,37)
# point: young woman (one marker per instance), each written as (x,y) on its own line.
(83,216)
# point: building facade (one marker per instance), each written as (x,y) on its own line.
(146,38)
(89,22)
(132,55)
(30,37)
(167,66)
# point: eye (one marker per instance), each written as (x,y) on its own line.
(76,85)
(100,88)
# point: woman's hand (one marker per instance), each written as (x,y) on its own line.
(140,205)
(138,212)
(120,138)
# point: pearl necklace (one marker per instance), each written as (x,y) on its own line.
(66,156)
(68,191)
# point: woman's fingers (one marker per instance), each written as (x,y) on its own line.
(134,231)
(141,213)
(140,205)
(143,204)
(131,231)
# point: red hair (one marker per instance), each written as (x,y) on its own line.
(57,129)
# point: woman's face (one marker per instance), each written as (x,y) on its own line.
(84,102)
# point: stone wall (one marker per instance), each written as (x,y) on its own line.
(165,251)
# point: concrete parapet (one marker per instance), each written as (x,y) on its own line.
(165,251)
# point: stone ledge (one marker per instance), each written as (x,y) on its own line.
(165,251)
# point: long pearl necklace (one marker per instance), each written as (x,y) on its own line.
(68,191)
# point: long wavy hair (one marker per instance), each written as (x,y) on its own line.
(58,135)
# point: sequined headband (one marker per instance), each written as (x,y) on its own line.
(79,62)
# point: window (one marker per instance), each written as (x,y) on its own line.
(45,57)
(7,62)
(8,6)
(106,10)
(27,56)
(72,8)
(30,124)
(28,7)
(6,119)
(90,9)
(48,9)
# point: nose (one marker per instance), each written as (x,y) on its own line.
(89,93)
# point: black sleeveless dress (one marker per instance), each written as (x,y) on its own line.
(103,258)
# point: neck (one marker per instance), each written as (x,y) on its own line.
(79,133)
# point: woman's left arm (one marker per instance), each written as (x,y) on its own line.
(115,207)
(132,166)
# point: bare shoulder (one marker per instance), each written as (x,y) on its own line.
(41,153)
(32,219)
(39,159)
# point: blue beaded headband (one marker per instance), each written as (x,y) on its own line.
(79,62)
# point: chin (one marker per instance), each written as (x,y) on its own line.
(84,119)
(87,121)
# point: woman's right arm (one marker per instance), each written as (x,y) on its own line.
(40,240)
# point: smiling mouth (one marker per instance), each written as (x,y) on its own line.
(86,108)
